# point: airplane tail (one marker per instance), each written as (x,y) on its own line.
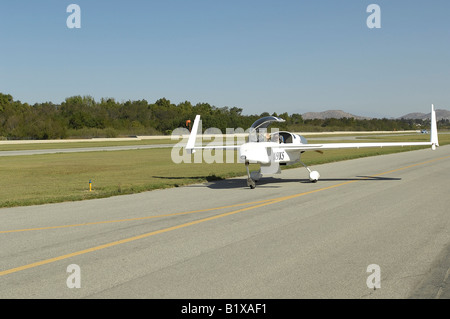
(192,137)
(434,135)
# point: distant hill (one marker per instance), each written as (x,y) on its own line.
(336,114)
(440,114)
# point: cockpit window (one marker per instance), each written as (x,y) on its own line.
(281,137)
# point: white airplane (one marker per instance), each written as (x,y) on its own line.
(285,148)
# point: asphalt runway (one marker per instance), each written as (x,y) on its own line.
(83,149)
(287,238)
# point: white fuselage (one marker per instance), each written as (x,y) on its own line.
(271,150)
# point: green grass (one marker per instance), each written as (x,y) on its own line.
(50,178)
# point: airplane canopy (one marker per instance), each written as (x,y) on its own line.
(264,122)
(259,128)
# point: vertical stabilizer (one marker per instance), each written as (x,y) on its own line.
(434,134)
(191,141)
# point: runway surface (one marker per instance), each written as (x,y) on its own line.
(287,238)
(83,149)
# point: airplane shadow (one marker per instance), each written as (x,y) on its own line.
(209,178)
(215,182)
(357,178)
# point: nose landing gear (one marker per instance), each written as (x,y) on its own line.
(313,175)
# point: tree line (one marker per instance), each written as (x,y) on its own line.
(83,117)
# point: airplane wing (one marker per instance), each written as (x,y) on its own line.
(190,146)
(329,146)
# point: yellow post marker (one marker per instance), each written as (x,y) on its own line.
(90,186)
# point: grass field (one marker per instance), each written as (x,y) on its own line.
(50,178)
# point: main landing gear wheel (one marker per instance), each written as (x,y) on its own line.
(250,181)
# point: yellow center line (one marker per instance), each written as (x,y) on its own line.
(126,240)
(168,229)
(131,219)
(410,166)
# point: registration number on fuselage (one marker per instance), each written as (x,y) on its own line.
(279,156)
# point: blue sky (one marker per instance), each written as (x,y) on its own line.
(259,55)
